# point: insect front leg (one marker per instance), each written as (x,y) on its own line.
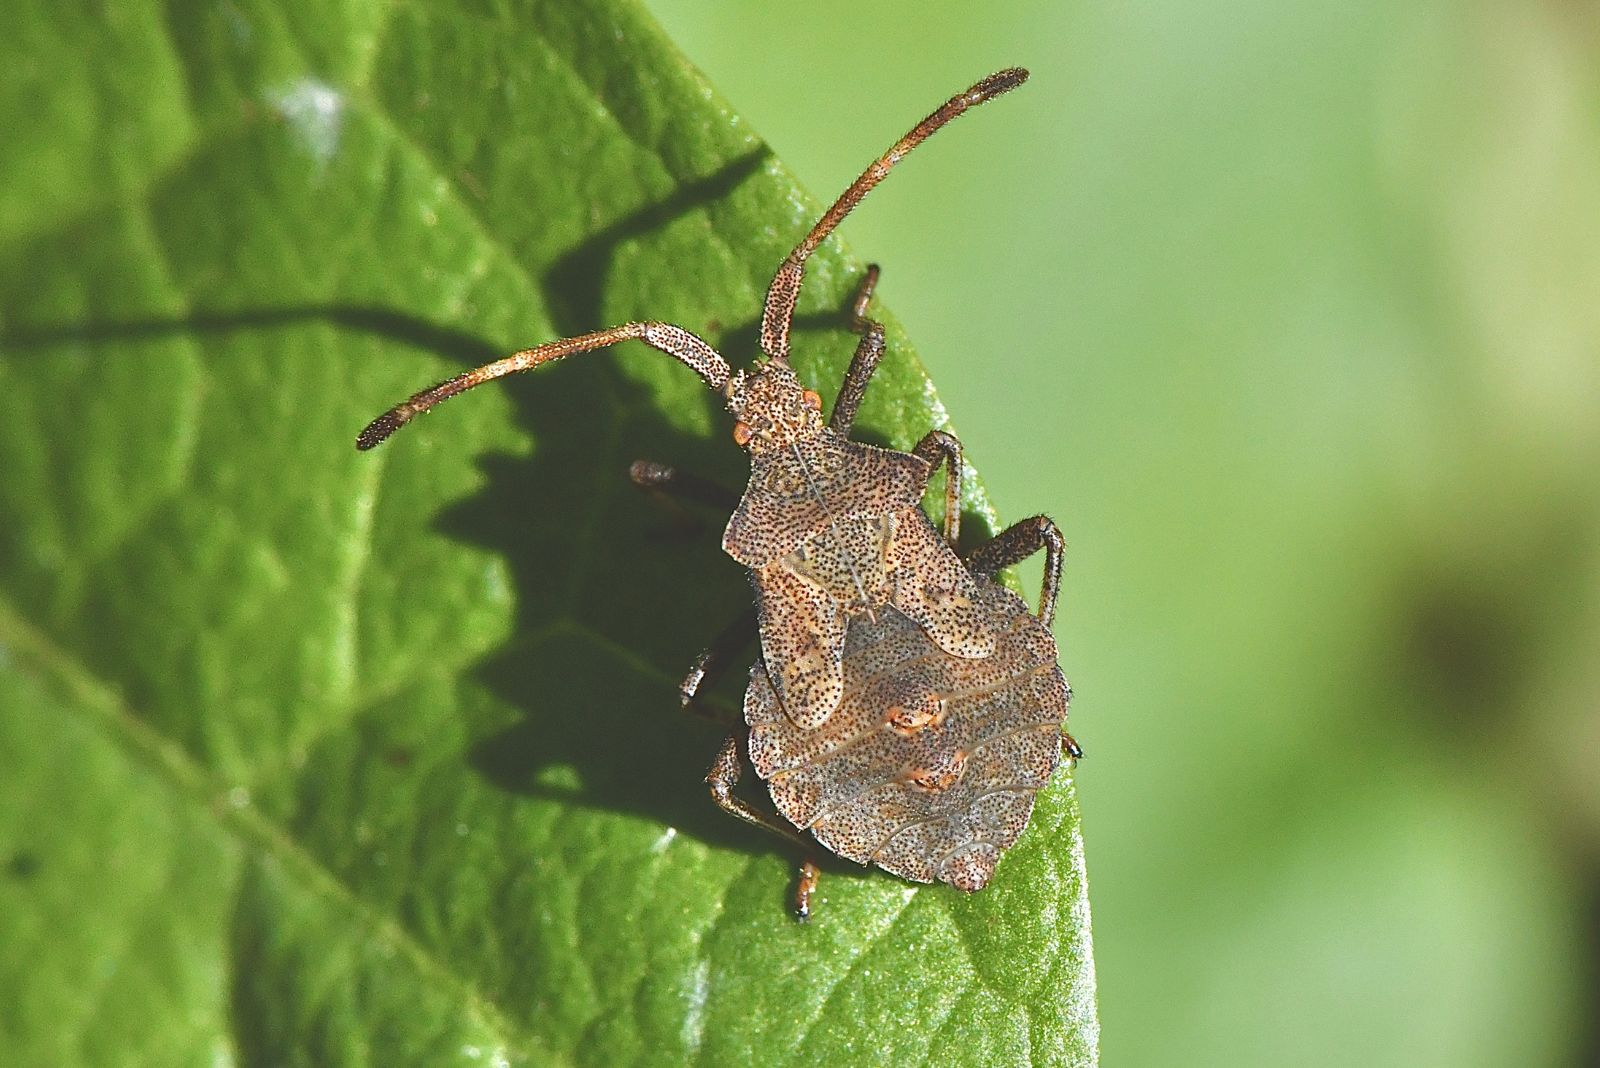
(938,447)
(1018,542)
(669,486)
(709,665)
(726,771)
(868,352)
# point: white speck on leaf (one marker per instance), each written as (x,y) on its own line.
(315,111)
(660,844)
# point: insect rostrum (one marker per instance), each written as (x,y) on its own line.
(905,708)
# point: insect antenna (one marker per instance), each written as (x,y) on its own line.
(675,341)
(784,291)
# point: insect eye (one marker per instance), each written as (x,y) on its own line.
(742,434)
(813,399)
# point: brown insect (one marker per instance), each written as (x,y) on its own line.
(930,765)
(833,537)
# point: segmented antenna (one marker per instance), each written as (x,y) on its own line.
(675,341)
(778,314)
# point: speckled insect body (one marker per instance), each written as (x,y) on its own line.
(930,765)
(877,639)
(831,530)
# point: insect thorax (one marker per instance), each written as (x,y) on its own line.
(808,489)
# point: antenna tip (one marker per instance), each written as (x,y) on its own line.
(996,83)
(377,431)
(1001,81)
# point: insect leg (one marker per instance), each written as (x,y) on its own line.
(804,887)
(868,352)
(938,447)
(1018,542)
(669,486)
(726,771)
(664,478)
(709,665)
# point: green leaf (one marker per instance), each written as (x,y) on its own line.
(314,757)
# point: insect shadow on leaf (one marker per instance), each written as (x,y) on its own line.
(599,572)
(371,319)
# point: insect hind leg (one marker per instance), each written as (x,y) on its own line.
(725,772)
(1018,542)
(940,447)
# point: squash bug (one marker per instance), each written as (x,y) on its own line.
(929,767)
(834,538)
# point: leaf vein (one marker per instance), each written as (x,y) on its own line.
(255,832)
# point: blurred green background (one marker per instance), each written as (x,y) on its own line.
(1287,312)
